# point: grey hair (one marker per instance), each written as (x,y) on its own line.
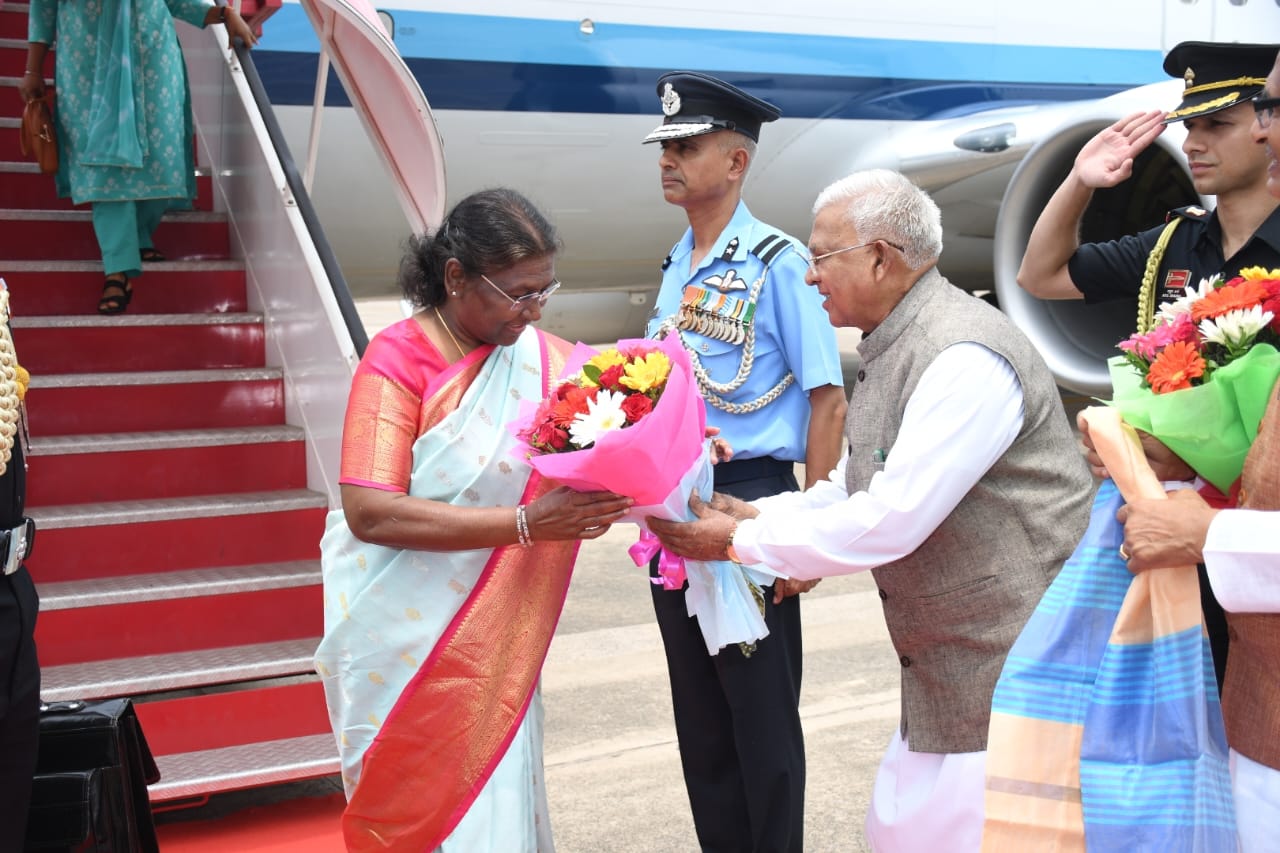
(732,140)
(884,205)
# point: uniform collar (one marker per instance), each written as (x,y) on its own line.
(734,243)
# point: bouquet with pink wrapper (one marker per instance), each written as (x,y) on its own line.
(630,420)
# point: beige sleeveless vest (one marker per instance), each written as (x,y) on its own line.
(1251,693)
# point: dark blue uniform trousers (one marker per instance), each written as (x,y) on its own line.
(737,718)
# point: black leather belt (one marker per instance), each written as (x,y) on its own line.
(737,470)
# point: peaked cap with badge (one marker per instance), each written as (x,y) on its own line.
(695,103)
(1218,75)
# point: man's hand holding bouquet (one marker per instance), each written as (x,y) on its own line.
(630,420)
(1201,377)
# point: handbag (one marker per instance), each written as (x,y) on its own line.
(89,794)
(38,139)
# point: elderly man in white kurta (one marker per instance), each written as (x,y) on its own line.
(962,490)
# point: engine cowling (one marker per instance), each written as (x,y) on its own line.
(1076,339)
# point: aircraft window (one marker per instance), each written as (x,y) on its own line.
(587,26)
(1239,2)
(388,23)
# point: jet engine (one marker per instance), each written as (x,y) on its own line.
(1076,339)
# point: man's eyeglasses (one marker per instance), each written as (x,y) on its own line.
(1265,108)
(814,260)
(538,297)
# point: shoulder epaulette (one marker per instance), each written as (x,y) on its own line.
(1191,211)
(768,248)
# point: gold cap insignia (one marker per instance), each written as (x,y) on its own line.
(1189,77)
(670,101)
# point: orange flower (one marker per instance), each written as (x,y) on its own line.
(1241,293)
(1174,368)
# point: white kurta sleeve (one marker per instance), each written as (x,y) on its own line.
(1242,554)
(964,414)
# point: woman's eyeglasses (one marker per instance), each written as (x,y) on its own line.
(538,297)
(1265,108)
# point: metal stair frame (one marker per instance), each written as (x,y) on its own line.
(307,330)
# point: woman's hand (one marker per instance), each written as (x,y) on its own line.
(566,514)
(31,88)
(237,28)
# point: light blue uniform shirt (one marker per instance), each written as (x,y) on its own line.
(793,333)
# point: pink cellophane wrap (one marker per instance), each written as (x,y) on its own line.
(659,462)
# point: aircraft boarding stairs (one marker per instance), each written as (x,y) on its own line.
(181,457)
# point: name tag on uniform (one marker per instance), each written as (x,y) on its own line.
(1175,286)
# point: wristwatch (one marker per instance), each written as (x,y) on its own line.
(728,549)
(222,15)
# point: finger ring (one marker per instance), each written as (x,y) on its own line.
(1124,555)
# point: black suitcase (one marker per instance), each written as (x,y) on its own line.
(90,790)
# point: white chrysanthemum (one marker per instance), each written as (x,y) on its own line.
(1170,311)
(1236,329)
(604,414)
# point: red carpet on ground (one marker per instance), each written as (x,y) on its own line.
(303,825)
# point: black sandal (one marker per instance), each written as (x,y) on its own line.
(115,303)
(151,256)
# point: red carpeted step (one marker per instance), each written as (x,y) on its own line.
(10,147)
(220,720)
(22,187)
(13,20)
(13,55)
(110,540)
(151,465)
(133,402)
(62,288)
(177,625)
(68,235)
(56,345)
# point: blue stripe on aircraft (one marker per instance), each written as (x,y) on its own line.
(505,86)
(478,62)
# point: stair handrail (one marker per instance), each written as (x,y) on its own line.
(297,187)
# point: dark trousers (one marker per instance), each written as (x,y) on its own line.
(19,706)
(1215,625)
(737,717)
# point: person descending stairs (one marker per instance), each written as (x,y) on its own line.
(177,547)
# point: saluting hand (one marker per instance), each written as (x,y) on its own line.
(1107,159)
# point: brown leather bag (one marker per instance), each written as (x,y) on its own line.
(39,140)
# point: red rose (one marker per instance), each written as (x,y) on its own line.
(1273,305)
(636,407)
(611,379)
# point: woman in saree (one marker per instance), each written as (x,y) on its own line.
(445,571)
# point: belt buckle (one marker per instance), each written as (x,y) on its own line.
(18,544)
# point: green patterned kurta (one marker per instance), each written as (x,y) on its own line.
(123,110)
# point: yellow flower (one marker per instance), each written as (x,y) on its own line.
(1259,274)
(603,362)
(647,372)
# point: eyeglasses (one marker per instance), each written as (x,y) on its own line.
(538,297)
(1265,109)
(814,260)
